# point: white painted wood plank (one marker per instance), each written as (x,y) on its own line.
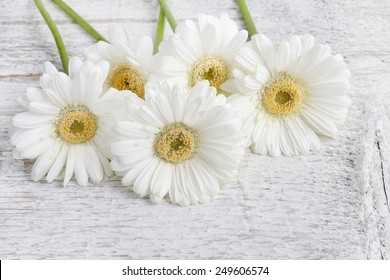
(327,205)
(334,23)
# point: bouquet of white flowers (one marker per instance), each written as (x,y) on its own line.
(175,119)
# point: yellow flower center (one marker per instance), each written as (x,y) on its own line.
(76,124)
(211,68)
(176,143)
(128,78)
(282,95)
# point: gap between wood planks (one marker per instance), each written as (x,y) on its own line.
(34,76)
(378,144)
(380,185)
(383,182)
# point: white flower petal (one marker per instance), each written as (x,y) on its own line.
(163,109)
(295,45)
(178,105)
(206,181)
(75,64)
(70,164)
(252,83)
(192,42)
(329,89)
(245,107)
(192,109)
(186,186)
(23,138)
(223,175)
(35,94)
(161,181)
(116,34)
(307,42)
(219,157)
(282,57)
(247,59)
(62,87)
(45,108)
(235,43)
(88,85)
(228,26)
(93,165)
(170,66)
(44,162)
(309,61)
(230,86)
(328,69)
(131,156)
(175,194)
(56,99)
(110,102)
(298,135)
(131,176)
(105,163)
(209,34)
(80,169)
(34,150)
(262,74)
(58,164)
(50,69)
(108,52)
(133,130)
(144,50)
(259,136)
(319,122)
(30,120)
(266,49)
(285,142)
(150,117)
(335,107)
(142,184)
(181,52)
(217,114)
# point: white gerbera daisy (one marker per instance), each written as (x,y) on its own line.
(65,123)
(289,95)
(202,50)
(129,70)
(182,142)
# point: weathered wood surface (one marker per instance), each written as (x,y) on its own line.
(330,205)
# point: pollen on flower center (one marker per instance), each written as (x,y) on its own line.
(128,78)
(211,68)
(282,95)
(176,143)
(76,124)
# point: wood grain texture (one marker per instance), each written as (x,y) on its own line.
(329,205)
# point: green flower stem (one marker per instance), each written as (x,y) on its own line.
(250,25)
(160,30)
(79,20)
(168,14)
(56,34)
